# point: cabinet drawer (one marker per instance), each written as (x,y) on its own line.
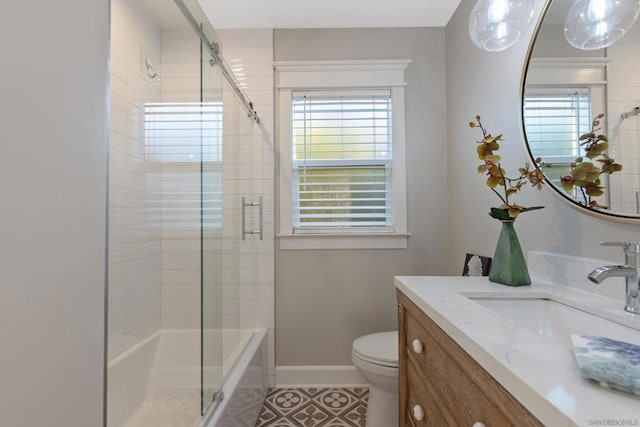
(421,392)
(416,334)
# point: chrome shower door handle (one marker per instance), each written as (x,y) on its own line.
(257,204)
(244,219)
(260,223)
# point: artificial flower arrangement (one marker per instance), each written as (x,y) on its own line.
(585,175)
(497,179)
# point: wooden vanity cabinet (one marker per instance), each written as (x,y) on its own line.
(441,385)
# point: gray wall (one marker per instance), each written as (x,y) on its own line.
(551,43)
(327,298)
(485,83)
(53,127)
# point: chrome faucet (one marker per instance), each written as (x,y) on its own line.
(629,271)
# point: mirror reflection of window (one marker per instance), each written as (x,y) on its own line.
(554,118)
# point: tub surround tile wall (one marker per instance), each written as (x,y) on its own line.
(180,192)
(239,274)
(134,224)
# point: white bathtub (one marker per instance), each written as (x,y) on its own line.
(156,383)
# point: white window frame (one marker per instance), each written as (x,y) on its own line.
(342,75)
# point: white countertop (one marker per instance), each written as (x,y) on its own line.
(544,377)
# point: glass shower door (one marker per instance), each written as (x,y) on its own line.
(227,172)
(212,228)
(229,248)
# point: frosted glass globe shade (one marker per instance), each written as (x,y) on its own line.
(596,24)
(495,25)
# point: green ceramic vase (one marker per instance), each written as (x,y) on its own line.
(508,266)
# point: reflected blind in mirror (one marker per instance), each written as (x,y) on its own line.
(554,119)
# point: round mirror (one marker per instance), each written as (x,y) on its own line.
(581,117)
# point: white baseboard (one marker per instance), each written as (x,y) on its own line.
(319,376)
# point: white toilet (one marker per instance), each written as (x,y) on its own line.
(376,357)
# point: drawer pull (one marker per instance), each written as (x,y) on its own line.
(417,346)
(478,424)
(418,413)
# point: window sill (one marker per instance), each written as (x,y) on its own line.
(344,241)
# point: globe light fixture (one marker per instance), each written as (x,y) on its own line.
(596,24)
(495,25)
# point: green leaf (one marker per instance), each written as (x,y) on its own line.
(501,214)
(531,208)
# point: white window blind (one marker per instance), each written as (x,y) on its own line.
(341,159)
(554,119)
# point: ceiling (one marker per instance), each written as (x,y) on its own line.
(328,13)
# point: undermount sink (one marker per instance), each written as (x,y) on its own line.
(556,321)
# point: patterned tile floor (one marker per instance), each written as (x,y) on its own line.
(315,407)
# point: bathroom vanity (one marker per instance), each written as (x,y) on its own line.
(440,384)
(462,363)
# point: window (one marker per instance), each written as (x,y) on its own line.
(341,158)
(341,141)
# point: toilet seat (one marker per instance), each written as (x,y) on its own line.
(378,349)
